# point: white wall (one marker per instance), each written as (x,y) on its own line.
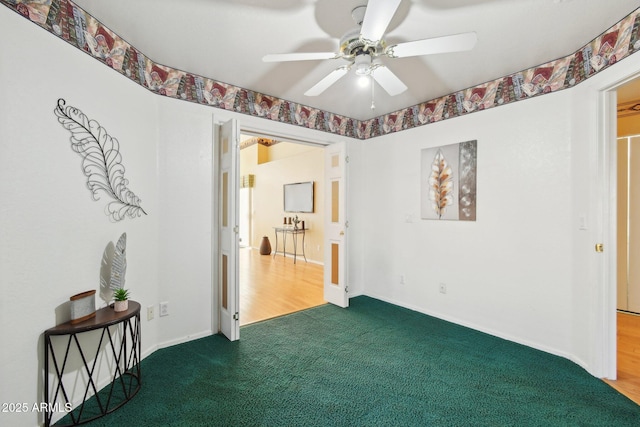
(525,270)
(509,272)
(185,181)
(52,234)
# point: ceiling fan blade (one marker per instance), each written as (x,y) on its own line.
(330,79)
(455,43)
(389,81)
(377,18)
(308,56)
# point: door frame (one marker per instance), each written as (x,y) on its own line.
(255,131)
(607,275)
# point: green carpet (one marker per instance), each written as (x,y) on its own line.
(373,364)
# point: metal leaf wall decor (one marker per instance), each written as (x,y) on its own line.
(101,162)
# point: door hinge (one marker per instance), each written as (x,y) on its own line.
(346,159)
(236,229)
(346,289)
(346,224)
(599,247)
(236,316)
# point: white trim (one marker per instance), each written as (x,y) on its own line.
(607,179)
(280,136)
(215,232)
(183,339)
(457,321)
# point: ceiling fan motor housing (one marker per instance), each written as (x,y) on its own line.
(351,46)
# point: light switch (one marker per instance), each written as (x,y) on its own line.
(582,222)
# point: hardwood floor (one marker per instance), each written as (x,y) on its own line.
(271,287)
(628,382)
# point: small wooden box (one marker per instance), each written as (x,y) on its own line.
(83,306)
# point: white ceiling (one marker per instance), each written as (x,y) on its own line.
(226,39)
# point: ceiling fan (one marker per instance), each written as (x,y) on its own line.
(363,46)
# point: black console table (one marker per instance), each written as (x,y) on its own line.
(121,334)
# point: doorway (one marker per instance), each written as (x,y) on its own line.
(273,285)
(628,196)
(627,170)
(628,224)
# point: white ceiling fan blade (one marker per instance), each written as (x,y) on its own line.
(377,18)
(455,43)
(308,56)
(389,81)
(330,79)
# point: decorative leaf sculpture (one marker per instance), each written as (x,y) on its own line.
(101,162)
(440,184)
(119,264)
(106,293)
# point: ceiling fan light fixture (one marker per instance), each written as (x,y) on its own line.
(363,81)
(363,65)
(363,71)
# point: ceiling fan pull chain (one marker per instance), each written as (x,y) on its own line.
(373,99)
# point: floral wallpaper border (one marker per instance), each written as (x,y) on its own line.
(69,22)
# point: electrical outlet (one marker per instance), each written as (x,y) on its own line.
(164,309)
(150,312)
(443,288)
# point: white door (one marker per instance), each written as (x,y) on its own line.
(335,226)
(228,217)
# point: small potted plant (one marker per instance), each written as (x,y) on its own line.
(121,299)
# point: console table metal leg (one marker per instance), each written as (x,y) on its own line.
(295,246)
(303,254)
(47,414)
(284,244)
(275,251)
(122,338)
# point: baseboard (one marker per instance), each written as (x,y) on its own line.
(148,352)
(310,261)
(534,345)
(184,339)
